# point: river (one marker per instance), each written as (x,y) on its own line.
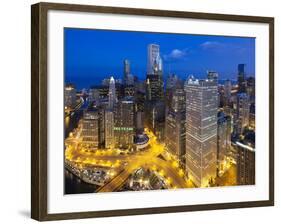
(73,184)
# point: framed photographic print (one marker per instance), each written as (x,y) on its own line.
(138,111)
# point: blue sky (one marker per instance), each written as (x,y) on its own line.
(91,55)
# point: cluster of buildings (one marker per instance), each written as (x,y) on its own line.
(204,125)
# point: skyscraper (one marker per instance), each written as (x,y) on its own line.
(251,89)
(140,100)
(241,78)
(128,77)
(175,125)
(102,106)
(139,111)
(90,129)
(178,100)
(245,164)
(153,52)
(252,116)
(227,92)
(155,105)
(124,128)
(111,93)
(241,112)
(172,82)
(224,140)
(201,130)
(69,96)
(155,87)
(109,129)
(155,117)
(148,90)
(126,69)
(154,76)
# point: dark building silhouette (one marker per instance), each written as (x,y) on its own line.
(241,78)
(245,164)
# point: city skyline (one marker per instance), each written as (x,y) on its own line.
(88,62)
(127,133)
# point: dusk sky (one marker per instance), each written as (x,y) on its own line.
(91,55)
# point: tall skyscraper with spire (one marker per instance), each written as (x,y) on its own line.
(111,93)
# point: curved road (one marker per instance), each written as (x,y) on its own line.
(124,165)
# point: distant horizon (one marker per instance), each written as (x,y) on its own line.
(92,55)
(86,84)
